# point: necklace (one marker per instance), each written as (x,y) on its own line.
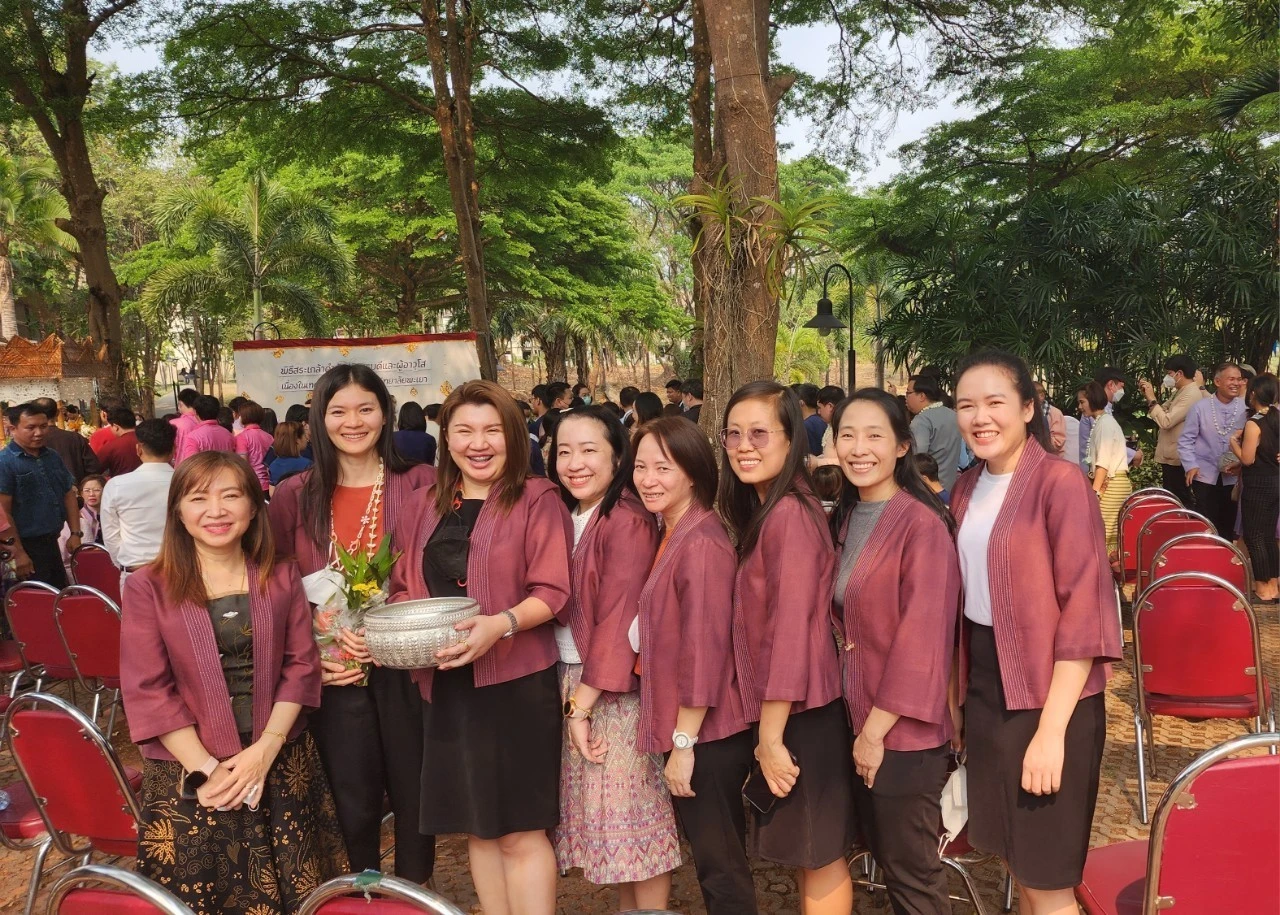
(1230,419)
(368,531)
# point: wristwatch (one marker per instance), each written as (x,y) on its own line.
(194,781)
(682,741)
(573,710)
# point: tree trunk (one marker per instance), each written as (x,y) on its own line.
(742,314)
(557,353)
(449,49)
(704,169)
(8,304)
(582,360)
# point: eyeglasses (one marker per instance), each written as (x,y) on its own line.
(758,438)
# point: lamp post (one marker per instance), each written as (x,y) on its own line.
(825,321)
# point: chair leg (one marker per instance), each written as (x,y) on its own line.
(970,890)
(37,871)
(1006,905)
(97,707)
(1142,766)
(111,714)
(1151,745)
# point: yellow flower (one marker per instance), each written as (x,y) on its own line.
(368,588)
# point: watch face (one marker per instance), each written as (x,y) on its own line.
(568,707)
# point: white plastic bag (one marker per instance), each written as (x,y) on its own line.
(955,806)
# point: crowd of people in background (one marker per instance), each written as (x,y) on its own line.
(667,627)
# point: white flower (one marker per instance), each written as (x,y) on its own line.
(324,586)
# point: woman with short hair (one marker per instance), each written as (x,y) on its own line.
(239,817)
(1105,458)
(412,438)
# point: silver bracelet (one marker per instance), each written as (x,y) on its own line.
(515,624)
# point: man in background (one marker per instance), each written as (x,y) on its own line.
(68,445)
(104,436)
(208,435)
(38,495)
(675,396)
(135,505)
(933,426)
(121,455)
(691,399)
(1182,379)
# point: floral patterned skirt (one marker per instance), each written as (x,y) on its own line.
(247,862)
(616,821)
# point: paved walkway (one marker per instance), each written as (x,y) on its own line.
(1177,743)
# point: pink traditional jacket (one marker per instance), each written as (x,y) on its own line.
(170,675)
(899,625)
(783,644)
(686,648)
(253,444)
(1052,597)
(514,556)
(290,531)
(182,424)
(609,569)
(206,435)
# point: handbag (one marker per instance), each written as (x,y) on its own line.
(955,806)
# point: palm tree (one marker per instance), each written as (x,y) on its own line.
(271,247)
(29,209)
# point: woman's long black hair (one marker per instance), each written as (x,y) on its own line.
(1020,375)
(741,507)
(317,491)
(905,473)
(618,440)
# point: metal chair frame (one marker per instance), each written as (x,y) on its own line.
(1143,721)
(89,549)
(1147,492)
(1206,537)
(958,863)
(1176,796)
(1142,495)
(36,672)
(116,878)
(98,687)
(374,883)
(1144,563)
(56,839)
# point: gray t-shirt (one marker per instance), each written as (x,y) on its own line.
(936,432)
(862,520)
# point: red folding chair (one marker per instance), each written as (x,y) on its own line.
(374,893)
(79,784)
(29,607)
(1158,530)
(88,623)
(1196,655)
(1203,552)
(91,565)
(1133,514)
(1213,847)
(117,892)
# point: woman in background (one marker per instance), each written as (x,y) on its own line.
(1257,445)
(1105,458)
(412,438)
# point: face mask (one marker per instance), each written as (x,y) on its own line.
(1168,382)
(587,400)
(1118,395)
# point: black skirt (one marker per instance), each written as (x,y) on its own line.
(813,825)
(491,755)
(1043,839)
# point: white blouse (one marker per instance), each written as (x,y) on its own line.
(564,635)
(1106,447)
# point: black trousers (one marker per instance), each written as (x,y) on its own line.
(370,740)
(1174,479)
(901,819)
(47,560)
(1213,500)
(1259,506)
(715,822)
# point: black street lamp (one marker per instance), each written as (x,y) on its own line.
(825,321)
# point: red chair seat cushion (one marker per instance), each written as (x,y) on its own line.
(1194,707)
(20,820)
(356,905)
(99,901)
(1114,880)
(10,657)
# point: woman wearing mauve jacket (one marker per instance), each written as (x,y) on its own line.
(356,493)
(690,708)
(1040,627)
(491,720)
(897,594)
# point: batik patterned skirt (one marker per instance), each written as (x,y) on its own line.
(616,821)
(246,862)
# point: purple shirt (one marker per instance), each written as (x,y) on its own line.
(207,436)
(1206,436)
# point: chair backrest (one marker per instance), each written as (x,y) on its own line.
(1215,838)
(89,625)
(397,897)
(1159,529)
(68,765)
(1202,552)
(1195,636)
(1148,492)
(120,892)
(1133,514)
(29,607)
(91,565)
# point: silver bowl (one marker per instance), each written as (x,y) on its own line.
(407,635)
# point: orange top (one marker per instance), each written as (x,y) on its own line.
(349,504)
(662,545)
